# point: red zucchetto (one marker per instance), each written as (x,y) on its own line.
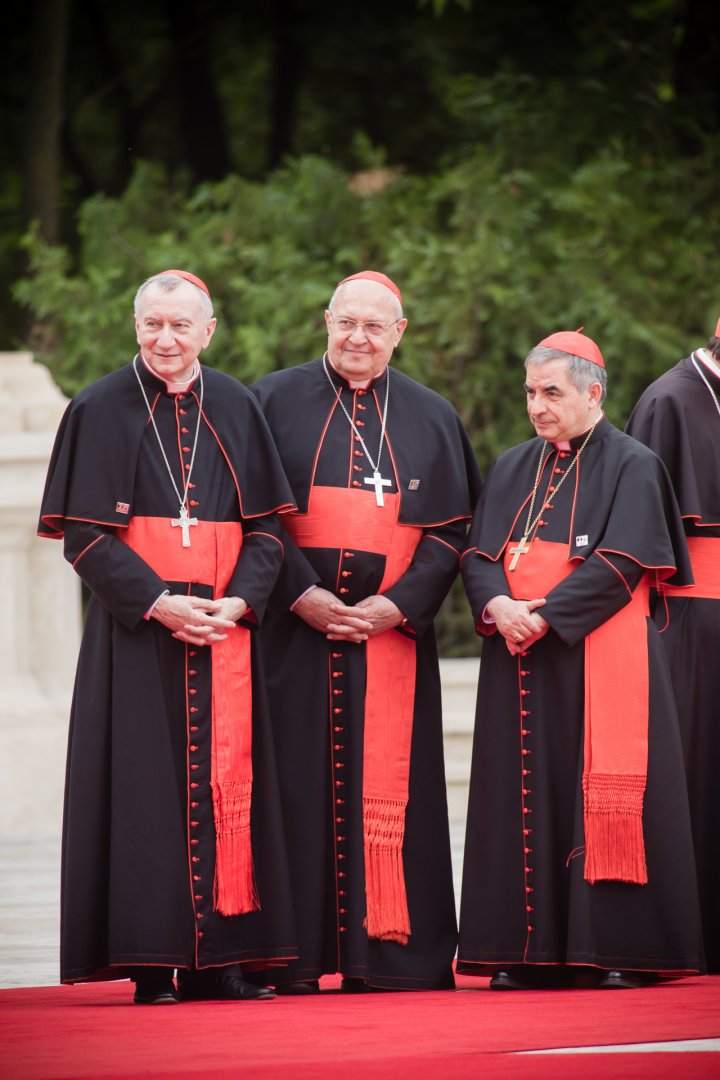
(374,275)
(188,277)
(575,343)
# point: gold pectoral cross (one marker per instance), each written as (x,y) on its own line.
(520,549)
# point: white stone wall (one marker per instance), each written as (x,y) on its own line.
(39,609)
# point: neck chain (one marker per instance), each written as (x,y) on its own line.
(184,520)
(522,548)
(376,478)
(704,378)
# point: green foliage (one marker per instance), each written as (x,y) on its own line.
(490,258)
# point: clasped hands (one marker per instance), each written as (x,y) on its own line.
(517,621)
(323,611)
(198,621)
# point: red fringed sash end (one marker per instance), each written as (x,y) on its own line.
(388,918)
(234,891)
(614,844)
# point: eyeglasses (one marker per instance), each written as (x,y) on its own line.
(369,329)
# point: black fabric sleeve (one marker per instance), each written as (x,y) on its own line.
(591,595)
(483,579)
(258,565)
(295,577)
(118,577)
(425,584)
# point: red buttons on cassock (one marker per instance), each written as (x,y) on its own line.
(192,691)
(194,842)
(195,858)
(356,483)
(336,655)
(194,709)
(194,785)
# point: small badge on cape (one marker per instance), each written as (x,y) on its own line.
(581,541)
(122,508)
(413,485)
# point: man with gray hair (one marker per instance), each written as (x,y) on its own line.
(166,487)
(578,862)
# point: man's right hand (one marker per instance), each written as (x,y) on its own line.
(516,621)
(323,611)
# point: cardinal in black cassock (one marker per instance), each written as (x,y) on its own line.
(578,859)
(678,417)
(384,480)
(166,487)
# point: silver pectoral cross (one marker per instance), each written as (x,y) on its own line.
(184,522)
(379,483)
(520,549)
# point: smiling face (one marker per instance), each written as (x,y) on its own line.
(557,409)
(172,330)
(363,354)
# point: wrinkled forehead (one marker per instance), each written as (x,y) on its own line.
(184,302)
(551,373)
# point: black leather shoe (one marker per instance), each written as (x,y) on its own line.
(219,986)
(352,985)
(298,989)
(508,980)
(155,988)
(620,980)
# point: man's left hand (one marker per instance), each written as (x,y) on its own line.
(378,610)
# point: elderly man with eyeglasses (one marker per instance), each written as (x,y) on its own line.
(384,480)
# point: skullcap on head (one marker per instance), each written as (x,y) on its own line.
(575,343)
(188,277)
(374,275)
(717,329)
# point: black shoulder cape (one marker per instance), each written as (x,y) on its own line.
(94,460)
(625,503)
(425,433)
(677,418)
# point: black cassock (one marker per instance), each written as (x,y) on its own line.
(678,419)
(524,897)
(138,834)
(428,461)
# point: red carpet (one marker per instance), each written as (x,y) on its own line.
(68,1033)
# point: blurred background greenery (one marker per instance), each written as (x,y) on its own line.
(518,168)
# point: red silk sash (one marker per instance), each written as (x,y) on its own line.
(705,559)
(346,518)
(616,718)
(210,560)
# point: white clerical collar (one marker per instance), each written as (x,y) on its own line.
(704,356)
(355,385)
(173,387)
(564,444)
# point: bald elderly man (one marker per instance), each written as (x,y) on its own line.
(384,480)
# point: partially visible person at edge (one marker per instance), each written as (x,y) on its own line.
(578,862)
(385,480)
(165,486)
(678,417)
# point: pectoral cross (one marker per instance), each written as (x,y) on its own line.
(184,522)
(520,549)
(379,483)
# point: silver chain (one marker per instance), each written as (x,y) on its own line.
(529,524)
(704,379)
(373,466)
(182,499)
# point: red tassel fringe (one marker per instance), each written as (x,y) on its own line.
(388,918)
(614,843)
(234,892)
